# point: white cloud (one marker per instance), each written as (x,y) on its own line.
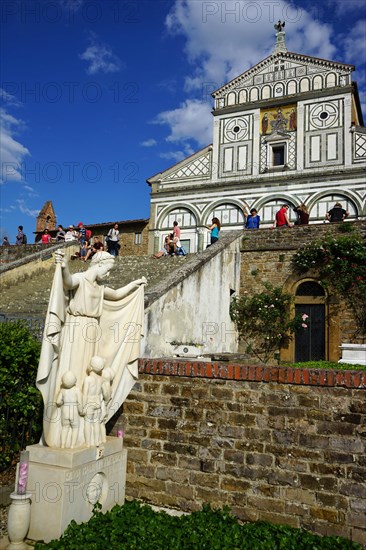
(168,85)
(100,57)
(355,44)
(31,191)
(176,156)
(9,98)
(24,209)
(12,152)
(149,142)
(191,120)
(343,7)
(224,39)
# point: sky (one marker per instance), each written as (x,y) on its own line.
(96,96)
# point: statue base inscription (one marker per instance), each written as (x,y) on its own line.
(65,484)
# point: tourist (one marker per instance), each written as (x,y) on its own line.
(245,214)
(113,240)
(253,220)
(81,232)
(176,236)
(302,215)
(6,241)
(97,246)
(337,213)
(215,228)
(165,250)
(20,237)
(60,235)
(70,234)
(46,237)
(84,248)
(282,219)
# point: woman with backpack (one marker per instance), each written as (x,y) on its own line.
(113,240)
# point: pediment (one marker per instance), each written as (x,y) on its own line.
(197,166)
(282,67)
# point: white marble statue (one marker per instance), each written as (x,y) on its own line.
(70,400)
(87,319)
(94,393)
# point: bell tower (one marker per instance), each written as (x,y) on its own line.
(46,218)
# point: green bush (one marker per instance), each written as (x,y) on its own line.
(263,321)
(20,402)
(341,264)
(137,527)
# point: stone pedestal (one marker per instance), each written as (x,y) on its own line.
(353,354)
(66,483)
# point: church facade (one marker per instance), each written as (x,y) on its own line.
(287,131)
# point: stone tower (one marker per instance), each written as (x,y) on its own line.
(46,218)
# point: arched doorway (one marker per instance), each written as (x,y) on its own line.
(310,343)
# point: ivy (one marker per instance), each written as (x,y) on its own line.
(340,264)
(20,402)
(263,321)
(137,527)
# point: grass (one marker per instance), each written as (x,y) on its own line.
(323,365)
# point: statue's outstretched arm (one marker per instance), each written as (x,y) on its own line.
(111,294)
(67,278)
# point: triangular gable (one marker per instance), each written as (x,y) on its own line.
(296,65)
(196,166)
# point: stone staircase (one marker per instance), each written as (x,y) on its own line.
(28,297)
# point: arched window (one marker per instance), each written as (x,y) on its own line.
(331,80)
(291,87)
(254,94)
(231,98)
(304,85)
(317,83)
(228,214)
(278,89)
(242,96)
(266,92)
(270,208)
(323,205)
(183,216)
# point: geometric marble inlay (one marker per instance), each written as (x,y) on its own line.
(198,167)
(360,146)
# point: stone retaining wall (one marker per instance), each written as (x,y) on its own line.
(278,444)
(266,257)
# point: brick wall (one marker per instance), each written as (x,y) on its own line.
(127,240)
(266,256)
(278,444)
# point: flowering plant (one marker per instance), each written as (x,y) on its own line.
(340,264)
(263,321)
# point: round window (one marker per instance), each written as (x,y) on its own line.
(324,115)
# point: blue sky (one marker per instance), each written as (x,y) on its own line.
(98,95)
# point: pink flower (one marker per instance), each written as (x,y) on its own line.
(304,316)
(304,325)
